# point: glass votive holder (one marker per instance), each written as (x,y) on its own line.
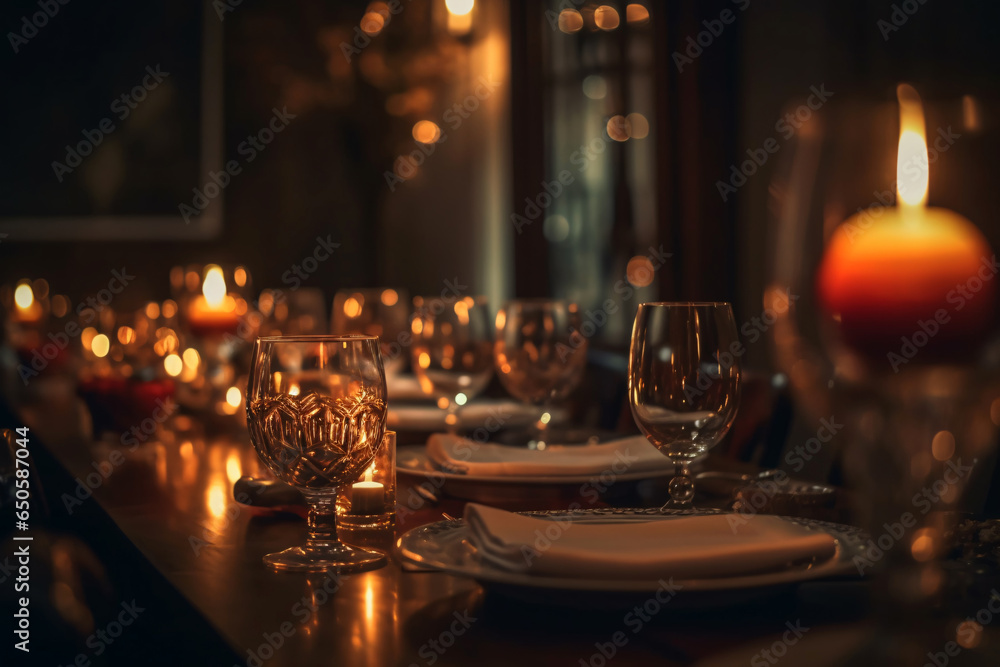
(366,508)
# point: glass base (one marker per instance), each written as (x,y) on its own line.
(338,557)
(677,505)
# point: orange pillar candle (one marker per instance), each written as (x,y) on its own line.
(910,279)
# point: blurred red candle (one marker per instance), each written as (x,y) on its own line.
(910,278)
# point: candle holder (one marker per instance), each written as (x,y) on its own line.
(366,508)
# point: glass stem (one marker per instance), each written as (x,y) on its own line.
(321,522)
(681,487)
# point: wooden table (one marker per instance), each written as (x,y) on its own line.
(172,499)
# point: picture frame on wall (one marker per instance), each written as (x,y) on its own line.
(129,146)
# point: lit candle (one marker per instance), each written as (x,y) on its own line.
(909,278)
(367,497)
(26,306)
(213,311)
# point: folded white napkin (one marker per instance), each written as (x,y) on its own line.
(627,455)
(404,388)
(685,547)
(479,413)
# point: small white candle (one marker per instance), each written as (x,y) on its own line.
(367,497)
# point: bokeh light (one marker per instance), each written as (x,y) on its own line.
(606,17)
(570,21)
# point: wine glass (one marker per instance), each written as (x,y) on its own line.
(452,351)
(684,382)
(374,312)
(540,355)
(316,410)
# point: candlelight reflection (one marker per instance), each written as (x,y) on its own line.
(233,468)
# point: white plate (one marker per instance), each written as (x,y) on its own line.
(412,460)
(444,546)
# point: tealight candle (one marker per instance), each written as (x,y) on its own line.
(367,497)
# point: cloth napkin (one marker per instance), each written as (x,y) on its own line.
(685,547)
(627,455)
(404,388)
(413,417)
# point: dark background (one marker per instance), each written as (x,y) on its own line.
(325,173)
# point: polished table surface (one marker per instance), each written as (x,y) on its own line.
(173,499)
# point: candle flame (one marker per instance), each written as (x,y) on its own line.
(459,7)
(24,297)
(369,472)
(912,172)
(214,287)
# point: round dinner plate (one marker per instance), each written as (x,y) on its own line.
(412,460)
(444,546)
